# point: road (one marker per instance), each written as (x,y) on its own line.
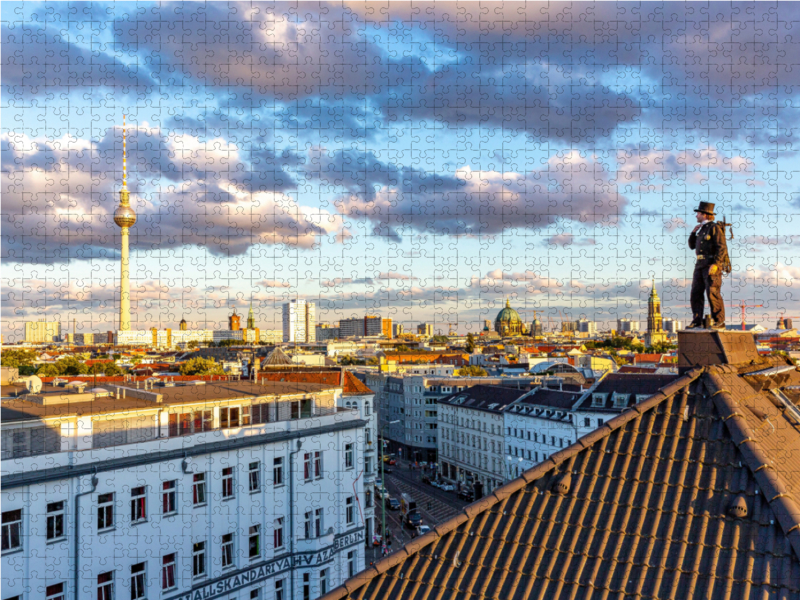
(435,505)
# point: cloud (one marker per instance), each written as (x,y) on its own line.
(59,197)
(567,239)
(38,60)
(571,187)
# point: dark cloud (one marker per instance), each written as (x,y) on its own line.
(37,60)
(571,187)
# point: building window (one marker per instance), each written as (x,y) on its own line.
(168,504)
(306,586)
(198,559)
(168,572)
(245,415)
(587,422)
(56,592)
(279,589)
(368,498)
(350,510)
(55,520)
(105,511)
(308,525)
(351,563)
(277,471)
(228,417)
(317,465)
(323,581)
(307,466)
(227,550)
(138,504)
(138,581)
(599,422)
(105,586)
(349,457)
(254,479)
(227,482)
(318,522)
(278,533)
(255,594)
(254,541)
(199,489)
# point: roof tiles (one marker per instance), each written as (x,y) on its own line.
(644,512)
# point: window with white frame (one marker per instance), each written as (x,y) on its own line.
(229,417)
(105,511)
(55,521)
(308,527)
(277,471)
(138,581)
(227,483)
(138,504)
(198,559)
(351,563)
(199,489)
(317,464)
(277,533)
(307,466)
(105,586)
(168,572)
(254,476)
(306,586)
(323,582)
(227,550)
(350,510)
(254,541)
(318,522)
(349,456)
(279,590)
(169,504)
(255,594)
(56,592)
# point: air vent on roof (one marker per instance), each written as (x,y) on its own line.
(738,508)
(562,484)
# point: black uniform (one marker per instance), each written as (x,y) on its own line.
(711,249)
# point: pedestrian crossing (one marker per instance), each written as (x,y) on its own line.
(434,509)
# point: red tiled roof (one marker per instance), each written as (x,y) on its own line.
(643,507)
(646,358)
(352,385)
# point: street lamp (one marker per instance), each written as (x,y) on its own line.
(383,485)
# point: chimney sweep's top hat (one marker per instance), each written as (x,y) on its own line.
(705,207)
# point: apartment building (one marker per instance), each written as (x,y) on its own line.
(234,490)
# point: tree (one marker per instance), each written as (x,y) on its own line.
(201,366)
(18,358)
(470,343)
(48,370)
(112,370)
(471,371)
(440,339)
(97,369)
(228,343)
(374,361)
(402,348)
(192,345)
(70,365)
(661,348)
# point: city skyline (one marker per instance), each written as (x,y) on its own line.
(360,189)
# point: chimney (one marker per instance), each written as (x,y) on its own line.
(704,348)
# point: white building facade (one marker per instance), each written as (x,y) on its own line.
(299,321)
(40,332)
(255,493)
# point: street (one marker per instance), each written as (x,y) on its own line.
(435,505)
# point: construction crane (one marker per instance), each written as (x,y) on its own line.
(781,320)
(452,326)
(744,307)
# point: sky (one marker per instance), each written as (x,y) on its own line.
(420,162)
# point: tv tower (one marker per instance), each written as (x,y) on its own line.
(124,217)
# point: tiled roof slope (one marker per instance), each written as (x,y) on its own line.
(352,386)
(640,508)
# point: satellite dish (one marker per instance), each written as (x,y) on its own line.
(33,384)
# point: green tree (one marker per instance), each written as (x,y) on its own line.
(402,348)
(97,369)
(374,361)
(71,365)
(470,343)
(471,371)
(48,370)
(112,370)
(228,343)
(661,348)
(18,358)
(192,345)
(201,366)
(440,339)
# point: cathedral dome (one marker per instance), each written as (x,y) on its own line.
(508,322)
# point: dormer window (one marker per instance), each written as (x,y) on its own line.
(598,399)
(620,400)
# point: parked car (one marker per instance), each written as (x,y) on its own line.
(466,494)
(448,487)
(391,461)
(436,483)
(413,520)
(426,479)
(423,529)
(392,503)
(423,464)
(388,470)
(381,493)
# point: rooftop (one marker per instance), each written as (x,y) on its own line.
(692,493)
(490,398)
